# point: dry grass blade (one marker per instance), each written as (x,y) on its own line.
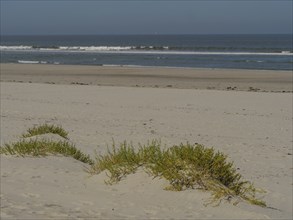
(185,166)
(45,129)
(45,148)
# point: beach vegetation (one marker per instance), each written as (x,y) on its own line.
(45,129)
(43,148)
(184,166)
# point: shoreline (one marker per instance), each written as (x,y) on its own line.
(157,77)
(141,66)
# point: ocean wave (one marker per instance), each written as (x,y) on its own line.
(15,47)
(208,53)
(84,48)
(67,48)
(28,61)
(137,50)
(31,62)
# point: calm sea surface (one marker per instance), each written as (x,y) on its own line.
(203,51)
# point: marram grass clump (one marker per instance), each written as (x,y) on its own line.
(44,148)
(45,129)
(185,167)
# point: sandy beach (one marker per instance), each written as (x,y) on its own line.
(246,114)
(156,77)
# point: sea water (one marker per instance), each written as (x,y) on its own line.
(201,51)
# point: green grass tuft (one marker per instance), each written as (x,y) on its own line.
(184,166)
(44,148)
(45,129)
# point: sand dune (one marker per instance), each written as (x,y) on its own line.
(254,129)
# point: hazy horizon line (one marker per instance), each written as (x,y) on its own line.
(136,34)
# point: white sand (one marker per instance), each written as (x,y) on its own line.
(157,77)
(254,129)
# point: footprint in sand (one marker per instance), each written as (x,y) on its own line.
(30,195)
(84,203)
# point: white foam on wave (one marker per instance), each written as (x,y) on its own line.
(28,61)
(91,48)
(204,53)
(68,48)
(106,48)
(31,62)
(15,47)
(134,50)
(112,65)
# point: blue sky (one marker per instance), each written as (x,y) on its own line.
(130,17)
